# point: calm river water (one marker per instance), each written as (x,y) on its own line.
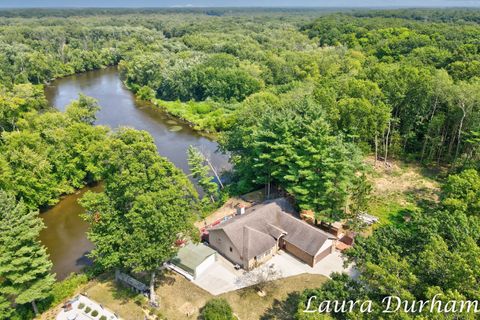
(64,235)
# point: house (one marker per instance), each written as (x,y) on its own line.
(192,260)
(254,237)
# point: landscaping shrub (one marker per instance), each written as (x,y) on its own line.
(139,300)
(65,288)
(81,306)
(217,309)
(103,318)
(88,309)
(61,291)
(94,313)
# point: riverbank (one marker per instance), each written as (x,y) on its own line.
(65,232)
(206,117)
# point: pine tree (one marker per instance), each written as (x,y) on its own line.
(24,265)
(201,172)
(5,307)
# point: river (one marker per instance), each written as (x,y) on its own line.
(65,232)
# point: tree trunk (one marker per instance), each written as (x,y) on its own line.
(34,306)
(387,142)
(214,171)
(460,127)
(428,127)
(153,297)
(440,149)
(376,150)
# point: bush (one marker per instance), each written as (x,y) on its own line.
(61,291)
(94,313)
(65,288)
(81,305)
(93,271)
(139,299)
(217,309)
(103,318)
(88,309)
(146,93)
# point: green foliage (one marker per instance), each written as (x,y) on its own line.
(94,313)
(63,289)
(435,253)
(52,153)
(146,93)
(201,172)
(83,110)
(422,70)
(217,309)
(388,80)
(23,98)
(296,98)
(292,145)
(146,206)
(206,116)
(462,192)
(24,265)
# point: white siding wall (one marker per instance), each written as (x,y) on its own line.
(204,265)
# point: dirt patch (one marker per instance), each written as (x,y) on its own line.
(230,207)
(399,178)
(400,188)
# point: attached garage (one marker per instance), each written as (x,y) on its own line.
(192,260)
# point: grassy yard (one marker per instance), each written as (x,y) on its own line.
(118,299)
(398,188)
(181,299)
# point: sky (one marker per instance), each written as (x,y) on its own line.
(237,3)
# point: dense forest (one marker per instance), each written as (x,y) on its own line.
(297,98)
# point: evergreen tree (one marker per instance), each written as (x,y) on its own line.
(24,265)
(292,145)
(201,172)
(5,307)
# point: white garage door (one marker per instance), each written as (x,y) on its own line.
(204,265)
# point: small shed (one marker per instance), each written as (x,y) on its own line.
(193,259)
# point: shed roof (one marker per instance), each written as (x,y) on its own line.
(191,256)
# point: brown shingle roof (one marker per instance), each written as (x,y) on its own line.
(265,223)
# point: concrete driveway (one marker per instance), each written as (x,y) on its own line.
(291,266)
(221,276)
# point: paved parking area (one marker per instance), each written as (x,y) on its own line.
(291,266)
(221,276)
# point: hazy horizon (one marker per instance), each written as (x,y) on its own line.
(238,3)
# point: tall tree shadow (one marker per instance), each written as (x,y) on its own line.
(283,310)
